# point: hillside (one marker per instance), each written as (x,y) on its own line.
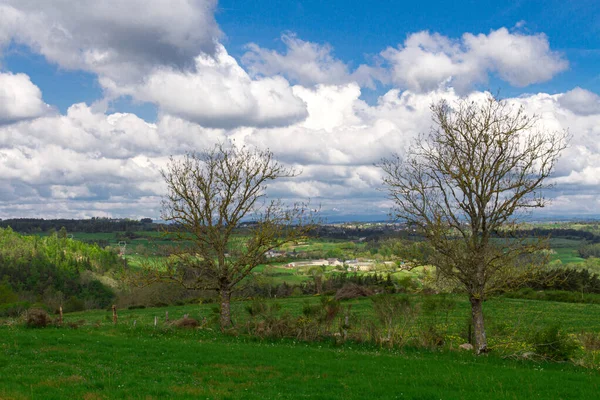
(53,270)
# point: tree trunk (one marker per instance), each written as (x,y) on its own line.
(225,308)
(478,326)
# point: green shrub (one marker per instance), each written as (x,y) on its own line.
(14,309)
(310,310)
(7,295)
(260,307)
(552,343)
(74,304)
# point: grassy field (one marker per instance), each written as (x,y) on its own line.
(137,360)
(108,363)
(566,250)
(524,315)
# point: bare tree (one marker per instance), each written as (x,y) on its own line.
(216,202)
(480,167)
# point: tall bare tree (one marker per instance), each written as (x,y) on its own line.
(216,202)
(481,166)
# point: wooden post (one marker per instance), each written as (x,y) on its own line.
(114,309)
(60,315)
(134,322)
(155,321)
(347,322)
(166,316)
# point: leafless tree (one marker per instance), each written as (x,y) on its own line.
(482,165)
(217,206)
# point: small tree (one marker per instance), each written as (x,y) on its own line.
(467,180)
(216,203)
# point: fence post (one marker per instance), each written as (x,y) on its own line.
(60,313)
(114,310)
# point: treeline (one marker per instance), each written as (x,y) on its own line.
(588,250)
(93,225)
(568,279)
(568,233)
(320,285)
(53,270)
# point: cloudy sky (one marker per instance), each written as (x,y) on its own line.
(95,95)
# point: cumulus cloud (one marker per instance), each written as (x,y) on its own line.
(168,55)
(89,163)
(112,37)
(218,93)
(19,99)
(101,164)
(307,64)
(422,63)
(581,101)
(427,60)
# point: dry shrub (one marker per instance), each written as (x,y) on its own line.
(76,324)
(397,315)
(352,291)
(37,318)
(590,340)
(272,326)
(186,323)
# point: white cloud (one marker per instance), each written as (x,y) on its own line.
(218,93)
(87,163)
(19,98)
(168,55)
(112,37)
(425,61)
(581,101)
(306,63)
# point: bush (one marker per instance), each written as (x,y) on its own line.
(352,291)
(310,310)
(590,340)
(37,318)
(74,304)
(260,307)
(186,323)
(396,315)
(14,309)
(552,343)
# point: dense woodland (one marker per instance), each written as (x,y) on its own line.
(92,225)
(53,270)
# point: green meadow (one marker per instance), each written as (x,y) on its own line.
(89,357)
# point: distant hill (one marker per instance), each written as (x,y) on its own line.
(92,225)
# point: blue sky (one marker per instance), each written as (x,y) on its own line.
(98,95)
(358,30)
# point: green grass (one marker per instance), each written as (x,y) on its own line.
(136,360)
(566,250)
(124,362)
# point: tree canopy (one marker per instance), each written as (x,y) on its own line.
(472,176)
(210,194)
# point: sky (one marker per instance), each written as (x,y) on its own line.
(96,95)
